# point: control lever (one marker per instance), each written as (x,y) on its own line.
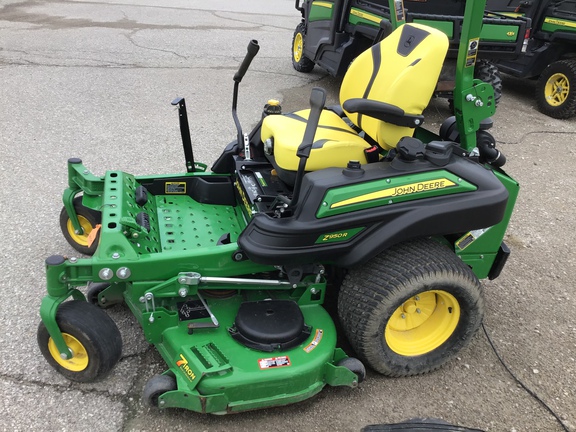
(317,102)
(252,50)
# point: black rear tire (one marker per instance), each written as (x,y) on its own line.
(411,308)
(556,90)
(488,72)
(300,62)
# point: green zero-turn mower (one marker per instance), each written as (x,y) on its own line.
(227,270)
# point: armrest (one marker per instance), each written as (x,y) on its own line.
(337,109)
(383,111)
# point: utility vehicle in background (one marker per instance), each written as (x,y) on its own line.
(333,32)
(533,39)
(550,55)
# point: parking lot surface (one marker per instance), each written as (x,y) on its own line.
(94,79)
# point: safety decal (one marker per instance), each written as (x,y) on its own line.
(190,310)
(315,341)
(261,179)
(399,10)
(175,187)
(243,197)
(469,238)
(472,52)
(274,362)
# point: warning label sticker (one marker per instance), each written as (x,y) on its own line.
(175,187)
(469,238)
(315,341)
(472,52)
(274,362)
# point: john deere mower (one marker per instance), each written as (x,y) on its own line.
(227,269)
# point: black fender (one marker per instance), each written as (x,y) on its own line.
(366,232)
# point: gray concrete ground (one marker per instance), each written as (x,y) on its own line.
(94,79)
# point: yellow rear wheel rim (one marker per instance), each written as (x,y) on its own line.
(81,239)
(298,47)
(79,360)
(422,323)
(556,89)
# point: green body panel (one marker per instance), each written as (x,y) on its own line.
(498,33)
(552,25)
(489,32)
(390,191)
(321,10)
(478,248)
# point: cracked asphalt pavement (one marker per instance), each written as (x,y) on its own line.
(94,79)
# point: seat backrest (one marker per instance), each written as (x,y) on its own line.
(401,70)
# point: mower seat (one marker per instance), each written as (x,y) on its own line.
(396,77)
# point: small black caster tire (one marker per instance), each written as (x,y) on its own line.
(354,365)
(156,387)
(92,337)
(88,219)
(93,293)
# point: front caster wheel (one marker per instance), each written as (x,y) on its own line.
(98,297)
(411,308)
(155,387)
(92,338)
(89,219)
(354,365)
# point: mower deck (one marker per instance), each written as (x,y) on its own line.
(213,372)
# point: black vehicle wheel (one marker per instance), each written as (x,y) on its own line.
(93,295)
(411,308)
(91,336)
(155,387)
(489,73)
(300,62)
(354,365)
(556,89)
(88,219)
